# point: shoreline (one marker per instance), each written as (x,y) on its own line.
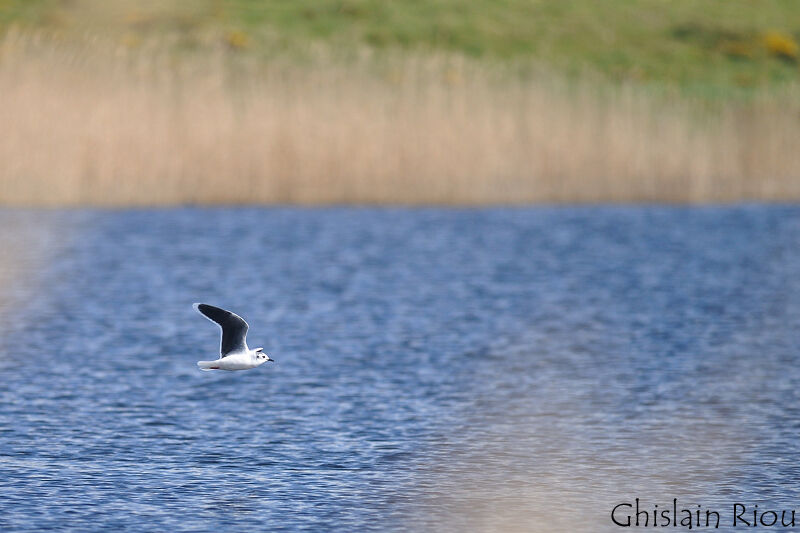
(128,128)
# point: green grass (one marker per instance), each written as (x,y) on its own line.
(25,12)
(705,46)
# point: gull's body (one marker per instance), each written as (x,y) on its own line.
(233,351)
(237,361)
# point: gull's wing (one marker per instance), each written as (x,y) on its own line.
(234,328)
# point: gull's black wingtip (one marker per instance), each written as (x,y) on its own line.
(205,309)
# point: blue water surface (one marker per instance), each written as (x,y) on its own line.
(436,369)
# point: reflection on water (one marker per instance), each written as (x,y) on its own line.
(26,241)
(508,370)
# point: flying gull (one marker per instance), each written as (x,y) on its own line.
(233,351)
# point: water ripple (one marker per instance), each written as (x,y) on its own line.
(447,370)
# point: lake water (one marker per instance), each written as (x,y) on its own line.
(436,370)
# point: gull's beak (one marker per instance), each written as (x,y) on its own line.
(270,359)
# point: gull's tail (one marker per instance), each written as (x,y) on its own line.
(208,366)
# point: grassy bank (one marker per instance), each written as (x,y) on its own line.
(236,101)
(704,46)
(136,128)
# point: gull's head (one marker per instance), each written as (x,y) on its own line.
(261,357)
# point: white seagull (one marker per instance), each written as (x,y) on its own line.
(233,351)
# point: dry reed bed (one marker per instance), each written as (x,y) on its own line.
(121,127)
